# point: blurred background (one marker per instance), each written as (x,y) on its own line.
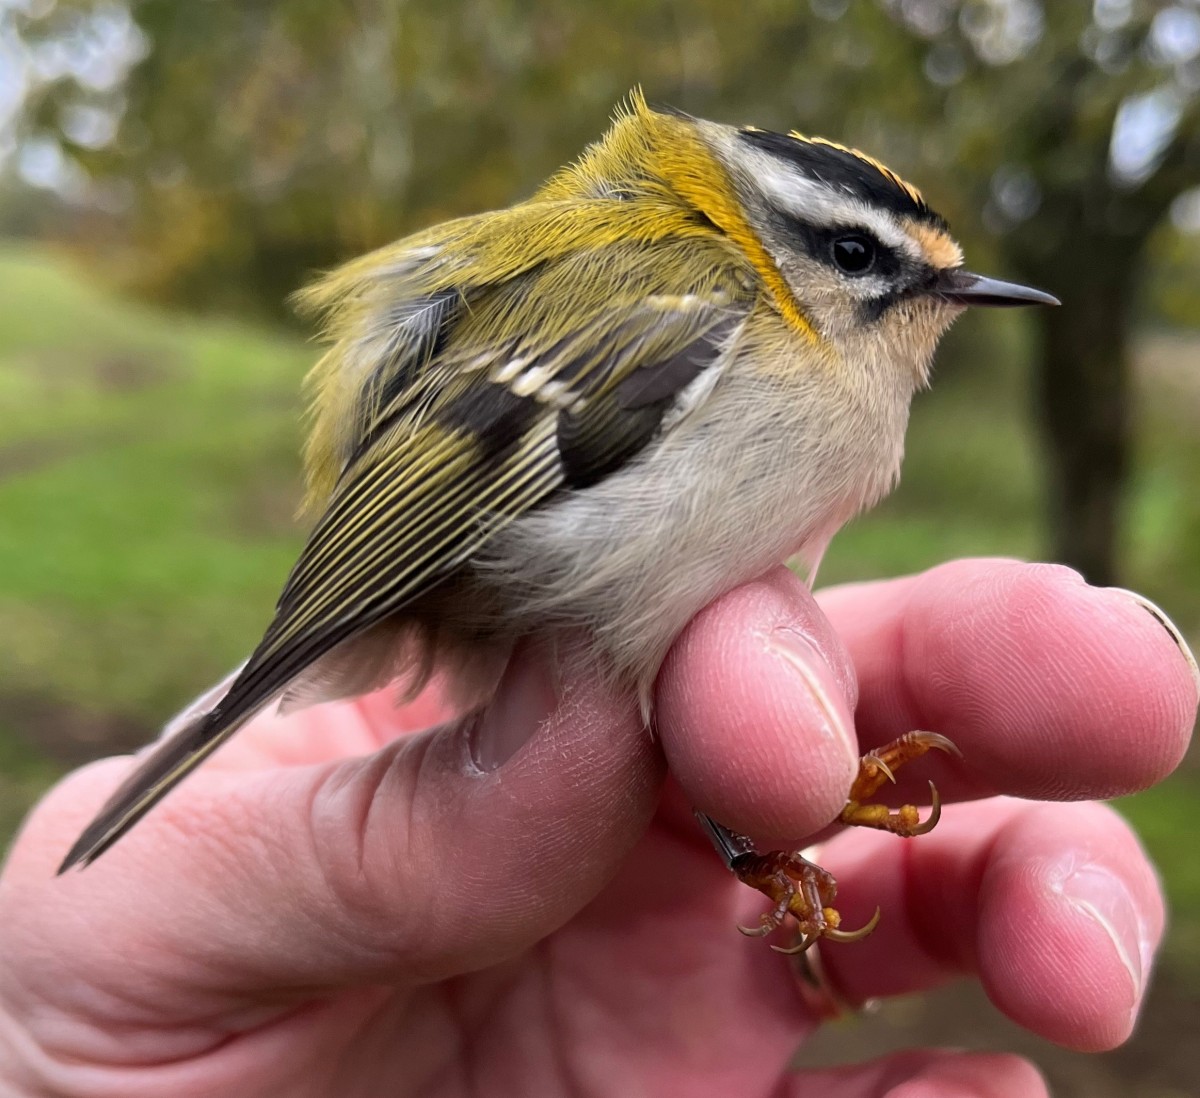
(170,172)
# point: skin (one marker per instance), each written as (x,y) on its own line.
(522,904)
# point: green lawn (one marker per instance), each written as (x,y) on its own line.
(148,472)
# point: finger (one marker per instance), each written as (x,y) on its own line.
(1051,688)
(407,864)
(1054,907)
(925,1073)
(754,708)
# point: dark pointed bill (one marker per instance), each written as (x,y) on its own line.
(965,288)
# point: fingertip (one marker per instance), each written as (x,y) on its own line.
(755,711)
(973,1075)
(1054,907)
(1067,934)
(1056,688)
(1160,663)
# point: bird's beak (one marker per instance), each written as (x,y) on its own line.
(965,288)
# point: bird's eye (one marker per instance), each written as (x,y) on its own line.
(854,254)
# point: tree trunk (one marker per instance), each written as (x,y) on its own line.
(1083,396)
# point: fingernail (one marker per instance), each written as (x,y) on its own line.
(805,658)
(1105,899)
(523,701)
(1160,616)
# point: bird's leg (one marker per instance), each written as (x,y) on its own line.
(880,765)
(795,886)
(800,888)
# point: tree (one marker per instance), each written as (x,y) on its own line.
(1067,131)
(257,141)
(1075,190)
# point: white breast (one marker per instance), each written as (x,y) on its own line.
(753,475)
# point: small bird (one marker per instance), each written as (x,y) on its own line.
(687,357)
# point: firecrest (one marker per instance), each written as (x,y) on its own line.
(687,357)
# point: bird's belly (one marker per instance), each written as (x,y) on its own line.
(719,501)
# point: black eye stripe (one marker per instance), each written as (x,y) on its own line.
(915,284)
(817,241)
(891,278)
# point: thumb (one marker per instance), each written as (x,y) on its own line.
(442,852)
(755,706)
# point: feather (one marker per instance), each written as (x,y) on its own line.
(187,741)
(475,371)
(386,652)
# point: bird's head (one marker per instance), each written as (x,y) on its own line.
(872,268)
(851,254)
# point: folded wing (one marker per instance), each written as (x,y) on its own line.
(479,418)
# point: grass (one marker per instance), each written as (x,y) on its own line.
(148,473)
(147,477)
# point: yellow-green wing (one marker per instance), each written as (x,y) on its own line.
(543,383)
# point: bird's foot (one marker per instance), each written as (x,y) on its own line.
(800,888)
(879,766)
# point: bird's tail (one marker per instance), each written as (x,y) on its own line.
(187,740)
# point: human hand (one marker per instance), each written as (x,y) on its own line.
(523,905)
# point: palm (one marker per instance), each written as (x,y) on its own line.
(335,906)
(626,995)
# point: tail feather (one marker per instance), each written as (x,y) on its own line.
(187,741)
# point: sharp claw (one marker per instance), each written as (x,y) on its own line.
(755,931)
(942,743)
(935,812)
(853,935)
(801,946)
(802,890)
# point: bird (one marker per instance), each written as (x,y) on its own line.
(687,357)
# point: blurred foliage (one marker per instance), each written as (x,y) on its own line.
(258,141)
(228,150)
(1173,284)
